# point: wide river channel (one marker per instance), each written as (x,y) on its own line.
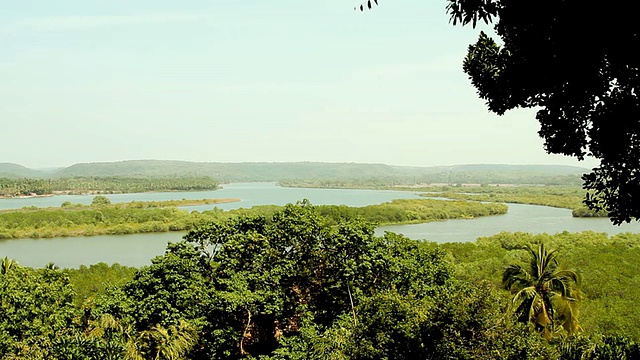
(138,249)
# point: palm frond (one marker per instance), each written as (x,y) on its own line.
(525,309)
(516,276)
(569,275)
(567,313)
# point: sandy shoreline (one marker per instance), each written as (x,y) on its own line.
(25,196)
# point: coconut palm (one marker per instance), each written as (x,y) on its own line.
(160,343)
(544,295)
(6,264)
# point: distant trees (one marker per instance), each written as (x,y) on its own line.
(103,185)
(24,187)
(100,201)
(101,217)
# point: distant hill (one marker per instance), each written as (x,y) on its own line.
(262,171)
(227,171)
(10,170)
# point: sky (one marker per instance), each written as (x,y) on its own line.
(247,81)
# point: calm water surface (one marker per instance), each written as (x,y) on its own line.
(251,194)
(524,218)
(138,249)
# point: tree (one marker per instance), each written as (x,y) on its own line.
(6,264)
(582,78)
(37,308)
(160,343)
(100,200)
(161,311)
(544,295)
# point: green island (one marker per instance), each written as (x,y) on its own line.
(17,187)
(291,283)
(103,218)
(561,196)
(554,196)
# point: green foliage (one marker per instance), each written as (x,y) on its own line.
(607,347)
(91,282)
(291,283)
(584,86)
(100,201)
(162,216)
(554,196)
(24,187)
(461,321)
(103,218)
(37,308)
(332,172)
(405,211)
(610,281)
(543,294)
(409,178)
(103,185)
(263,286)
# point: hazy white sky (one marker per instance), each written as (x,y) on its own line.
(235,81)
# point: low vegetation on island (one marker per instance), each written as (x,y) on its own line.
(561,196)
(294,285)
(103,218)
(567,197)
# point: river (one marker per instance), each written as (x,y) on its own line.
(138,249)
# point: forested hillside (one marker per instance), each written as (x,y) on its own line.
(315,172)
(9,170)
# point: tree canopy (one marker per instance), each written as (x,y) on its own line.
(574,64)
(293,285)
(544,295)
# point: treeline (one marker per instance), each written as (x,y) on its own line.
(408,211)
(242,172)
(465,175)
(554,196)
(102,185)
(293,285)
(102,218)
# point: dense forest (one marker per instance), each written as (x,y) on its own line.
(330,173)
(295,285)
(102,185)
(101,217)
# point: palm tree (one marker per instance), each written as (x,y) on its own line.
(6,264)
(160,343)
(544,296)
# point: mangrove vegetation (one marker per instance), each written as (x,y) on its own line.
(101,217)
(295,285)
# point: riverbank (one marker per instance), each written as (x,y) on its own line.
(30,196)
